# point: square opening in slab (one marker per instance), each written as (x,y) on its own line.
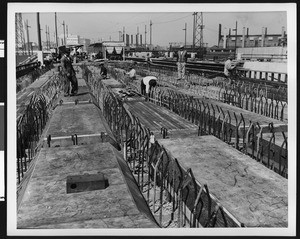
(86,182)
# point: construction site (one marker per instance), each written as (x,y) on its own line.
(195,152)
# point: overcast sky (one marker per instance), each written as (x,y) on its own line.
(167,26)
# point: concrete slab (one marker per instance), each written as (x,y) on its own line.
(75,119)
(46,204)
(254,194)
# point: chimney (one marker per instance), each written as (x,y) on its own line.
(219,37)
(224,42)
(243,38)
(282,32)
(247,32)
(263,37)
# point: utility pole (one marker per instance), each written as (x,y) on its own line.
(150,32)
(27,33)
(194,29)
(185,35)
(137,37)
(39,31)
(49,38)
(145,35)
(56,37)
(46,32)
(64,33)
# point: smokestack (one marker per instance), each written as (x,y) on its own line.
(263,37)
(282,32)
(219,38)
(266,31)
(229,34)
(243,38)
(127,40)
(141,39)
(247,32)
(131,39)
(224,42)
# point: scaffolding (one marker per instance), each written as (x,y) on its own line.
(20,39)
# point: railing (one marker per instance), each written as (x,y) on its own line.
(188,204)
(265,75)
(31,124)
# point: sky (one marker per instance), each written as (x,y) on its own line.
(167,26)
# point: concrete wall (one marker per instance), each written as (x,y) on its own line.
(273,53)
(279,67)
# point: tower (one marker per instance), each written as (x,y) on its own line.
(198,31)
(20,39)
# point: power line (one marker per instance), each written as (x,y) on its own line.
(173,20)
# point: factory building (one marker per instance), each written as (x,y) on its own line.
(232,40)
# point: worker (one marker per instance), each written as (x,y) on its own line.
(148,61)
(146,85)
(103,71)
(69,74)
(131,74)
(228,67)
(181,62)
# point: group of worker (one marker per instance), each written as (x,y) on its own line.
(68,72)
(146,83)
(229,66)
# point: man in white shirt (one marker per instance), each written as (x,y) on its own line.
(181,61)
(228,66)
(131,74)
(147,83)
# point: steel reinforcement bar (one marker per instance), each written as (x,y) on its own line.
(255,97)
(229,127)
(31,123)
(268,147)
(172,192)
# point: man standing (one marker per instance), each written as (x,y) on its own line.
(69,74)
(103,71)
(228,67)
(146,84)
(181,61)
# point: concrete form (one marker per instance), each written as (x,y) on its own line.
(255,195)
